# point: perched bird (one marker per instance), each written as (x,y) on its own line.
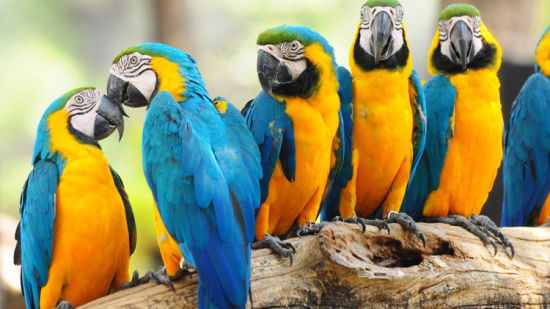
(389,122)
(464,142)
(526,168)
(202,169)
(77,229)
(294,121)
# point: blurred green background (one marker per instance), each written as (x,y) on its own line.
(50,47)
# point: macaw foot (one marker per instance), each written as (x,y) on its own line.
(159,277)
(64,305)
(471,227)
(380,224)
(185,270)
(311,228)
(407,223)
(487,223)
(283,249)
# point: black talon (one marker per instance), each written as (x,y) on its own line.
(130,284)
(488,225)
(276,245)
(407,223)
(468,225)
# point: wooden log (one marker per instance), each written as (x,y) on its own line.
(343,267)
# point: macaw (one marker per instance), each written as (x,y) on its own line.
(464,143)
(526,169)
(77,229)
(389,122)
(202,169)
(294,121)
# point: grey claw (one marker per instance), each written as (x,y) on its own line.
(64,305)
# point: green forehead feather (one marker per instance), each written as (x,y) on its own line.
(69,94)
(458,10)
(138,48)
(275,36)
(390,3)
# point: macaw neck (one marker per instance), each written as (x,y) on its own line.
(325,99)
(64,141)
(182,80)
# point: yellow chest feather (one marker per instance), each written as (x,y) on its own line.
(382,133)
(475,151)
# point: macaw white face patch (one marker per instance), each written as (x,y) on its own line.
(367,17)
(82,108)
(446,26)
(136,69)
(290,54)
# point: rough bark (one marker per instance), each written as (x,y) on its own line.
(343,267)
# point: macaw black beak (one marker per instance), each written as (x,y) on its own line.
(382,40)
(109,117)
(462,44)
(122,92)
(271,72)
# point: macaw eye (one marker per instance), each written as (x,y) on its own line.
(133,60)
(294,46)
(78,99)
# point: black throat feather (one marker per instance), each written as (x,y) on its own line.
(366,62)
(483,59)
(81,137)
(304,86)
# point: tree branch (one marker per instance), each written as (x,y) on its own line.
(346,268)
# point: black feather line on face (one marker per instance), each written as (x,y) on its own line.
(483,59)
(304,86)
(81,137)
(366,62)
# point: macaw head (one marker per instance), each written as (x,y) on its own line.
(221,105)
(292,61)
(86,113)
(462,42)
(140,72)
(380,41)
(542,55)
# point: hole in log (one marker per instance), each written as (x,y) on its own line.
(392,254)
(444,248)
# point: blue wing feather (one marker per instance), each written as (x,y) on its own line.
(418,104)
(440,97)
(186,158)
(344,170)
(526,162)
(246,172)
(273,133)
(35,238)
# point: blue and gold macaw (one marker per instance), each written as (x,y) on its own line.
(526,168)
(388,127)
(464,143)
(77,229)
(202,169)
(294,121)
